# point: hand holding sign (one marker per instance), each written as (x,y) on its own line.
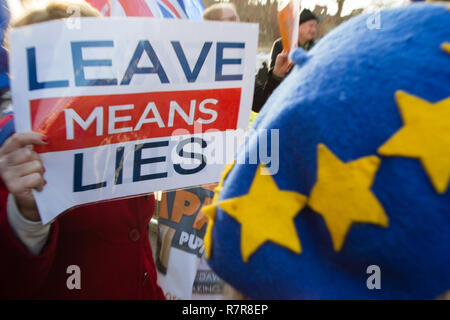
(21,170)
(282,64)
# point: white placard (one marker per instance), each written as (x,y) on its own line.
(130,105)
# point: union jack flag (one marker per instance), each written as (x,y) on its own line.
(176,9)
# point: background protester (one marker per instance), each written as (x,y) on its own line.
(223,11)
(280,65)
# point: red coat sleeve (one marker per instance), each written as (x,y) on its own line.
(21,273)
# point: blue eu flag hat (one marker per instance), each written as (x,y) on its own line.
(359,206)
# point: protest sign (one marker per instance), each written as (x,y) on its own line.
(130,105)
(288,19)
(182,270)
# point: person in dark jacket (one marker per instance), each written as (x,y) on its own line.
(280,65)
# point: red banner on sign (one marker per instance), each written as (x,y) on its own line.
(89,121)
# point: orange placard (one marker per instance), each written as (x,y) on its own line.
(288,22)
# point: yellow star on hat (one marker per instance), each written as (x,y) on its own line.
(446,47)
(342,194)
(211,210)
(425,136)
(266,213)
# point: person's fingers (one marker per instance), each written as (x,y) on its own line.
(284,55)
(22,139)
(26,183)
(20,156)
(27,168)
(34,181)
(40,187)
(281,57)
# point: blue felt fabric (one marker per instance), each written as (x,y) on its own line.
(343,96)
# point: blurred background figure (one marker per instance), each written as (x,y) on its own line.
(307,30)
(280,65)
(221,12)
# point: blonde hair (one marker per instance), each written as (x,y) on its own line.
(55,10)
(214,12)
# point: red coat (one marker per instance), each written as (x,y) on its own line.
(109,241)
